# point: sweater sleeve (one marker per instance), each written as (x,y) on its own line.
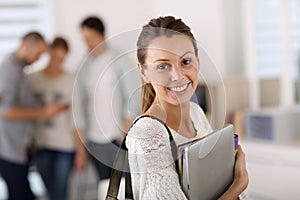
(151,163)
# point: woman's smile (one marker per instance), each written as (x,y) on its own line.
(179,89)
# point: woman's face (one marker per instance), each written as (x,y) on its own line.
(57,56)
(172,67)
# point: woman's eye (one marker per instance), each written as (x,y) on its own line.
(162,67)
(186,61)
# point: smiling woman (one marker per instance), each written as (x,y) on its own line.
(169,65)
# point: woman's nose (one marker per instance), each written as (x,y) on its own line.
(175,74)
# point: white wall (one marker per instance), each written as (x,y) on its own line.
(205,18)
(118,16)
(233,32)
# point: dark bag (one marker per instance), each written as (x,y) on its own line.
(121,163)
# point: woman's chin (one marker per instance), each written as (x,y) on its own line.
(178,102)
(181,99)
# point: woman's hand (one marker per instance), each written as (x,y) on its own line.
(241,179)
(52,109)
(240,170)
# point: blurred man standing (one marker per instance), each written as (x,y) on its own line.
(16,114)
(107,84)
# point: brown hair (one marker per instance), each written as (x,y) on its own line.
(60,42)
(162,26)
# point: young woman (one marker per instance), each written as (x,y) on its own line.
(59,148)
(169,65)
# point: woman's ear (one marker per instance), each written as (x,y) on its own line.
(143,73)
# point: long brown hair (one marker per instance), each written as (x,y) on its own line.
(162,26)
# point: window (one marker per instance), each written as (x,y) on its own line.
(294,7)
(17,17)
(272,41)
(267,38)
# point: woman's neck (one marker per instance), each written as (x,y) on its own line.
(176,117)
(52,73)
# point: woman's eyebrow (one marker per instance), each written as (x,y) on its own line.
(166,60)
(161,60)
(186,53)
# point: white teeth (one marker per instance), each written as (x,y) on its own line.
(179,89)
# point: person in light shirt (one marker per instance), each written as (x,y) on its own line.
(57,140)
(107,83)
(169,65)
(17,113)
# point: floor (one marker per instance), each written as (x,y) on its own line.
(83,186)
(274,172)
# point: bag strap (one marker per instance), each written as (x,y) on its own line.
(121,163)
(171,139)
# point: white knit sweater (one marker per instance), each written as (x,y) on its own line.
(151,163)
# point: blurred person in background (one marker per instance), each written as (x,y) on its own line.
(107,85)
(58,142)
(17,112)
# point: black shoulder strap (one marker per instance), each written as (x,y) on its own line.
(121,164)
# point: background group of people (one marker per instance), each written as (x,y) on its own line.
(42,105)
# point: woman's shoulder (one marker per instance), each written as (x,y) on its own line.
(146,125)
(196,110)
(200,119)
(147,134)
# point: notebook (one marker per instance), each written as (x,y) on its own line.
(206,164)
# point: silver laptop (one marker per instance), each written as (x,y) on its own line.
(207,165)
